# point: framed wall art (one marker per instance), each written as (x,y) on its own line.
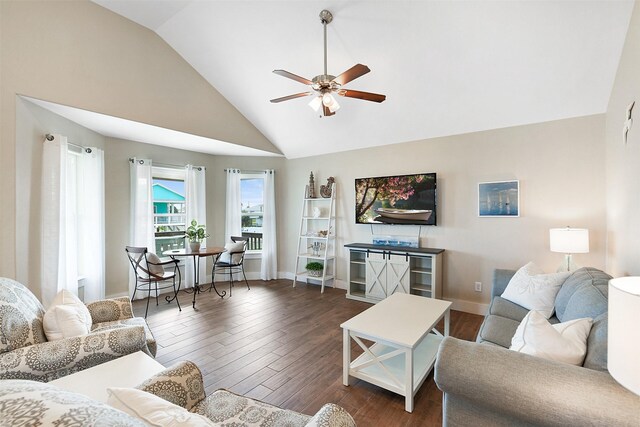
(499,199)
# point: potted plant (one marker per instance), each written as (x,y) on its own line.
(196,233)
(314,269)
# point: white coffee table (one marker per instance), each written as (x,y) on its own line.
(126,371)
(402,327)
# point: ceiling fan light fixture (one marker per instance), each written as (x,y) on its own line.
(315,103)
(330,102)
(327,99)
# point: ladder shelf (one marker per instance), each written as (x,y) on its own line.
(318,214)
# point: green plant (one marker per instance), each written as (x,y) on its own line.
(314,266)
(196,232)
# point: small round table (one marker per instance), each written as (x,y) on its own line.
(213,251)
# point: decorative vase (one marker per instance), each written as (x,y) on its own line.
(194,246)
(314,273)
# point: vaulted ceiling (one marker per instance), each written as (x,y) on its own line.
(447,67)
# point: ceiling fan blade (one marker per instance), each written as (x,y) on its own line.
(326,111)
(367,96)
(286,98)
(292,76)
(352,74)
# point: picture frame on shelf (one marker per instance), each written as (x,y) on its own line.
(499,199)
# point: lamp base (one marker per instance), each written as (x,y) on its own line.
(568,264)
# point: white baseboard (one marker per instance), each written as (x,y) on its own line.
(468,306)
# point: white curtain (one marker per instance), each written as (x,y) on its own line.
(142,231)
(90,223)
(232,219)
(269,266)
(54,259)
(195,194)
(72,220)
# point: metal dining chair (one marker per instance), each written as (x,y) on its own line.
(149,270)
(233,263)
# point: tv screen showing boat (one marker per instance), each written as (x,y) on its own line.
(400,199)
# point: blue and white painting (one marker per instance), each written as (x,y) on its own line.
(500,198)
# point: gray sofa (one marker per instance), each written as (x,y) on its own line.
(485,383)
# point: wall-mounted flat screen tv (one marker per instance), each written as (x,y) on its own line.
(400,199)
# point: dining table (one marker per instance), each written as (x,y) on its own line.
(213,251)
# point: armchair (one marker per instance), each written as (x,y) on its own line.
(182,385)
(25,352)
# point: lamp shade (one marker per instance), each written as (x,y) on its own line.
(569,240)
(624,335)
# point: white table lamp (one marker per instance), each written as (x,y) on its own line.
(569,241)
(624,336)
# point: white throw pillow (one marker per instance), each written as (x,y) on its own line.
(155,269)
(563,342)
(232,247)
(153,410)
(66,317)
(534,290)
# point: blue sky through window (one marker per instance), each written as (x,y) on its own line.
(251,191)
(177,186)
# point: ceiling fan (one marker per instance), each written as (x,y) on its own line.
(324,85)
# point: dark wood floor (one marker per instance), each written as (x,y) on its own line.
(283,345)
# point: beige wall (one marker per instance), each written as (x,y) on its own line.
(623,161)
(560,168)
(79,54)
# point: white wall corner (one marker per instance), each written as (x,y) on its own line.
(468,306)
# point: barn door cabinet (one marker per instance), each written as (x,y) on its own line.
(375,272)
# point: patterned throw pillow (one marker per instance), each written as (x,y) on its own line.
(31,403)
(21,315)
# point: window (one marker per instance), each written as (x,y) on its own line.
(252,209)
(169,208)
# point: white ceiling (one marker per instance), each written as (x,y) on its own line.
(447,67)
(116,127)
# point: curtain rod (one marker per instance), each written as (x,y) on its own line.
(246,170)
(167,165)
(87,150)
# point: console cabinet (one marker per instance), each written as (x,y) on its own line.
(375,271)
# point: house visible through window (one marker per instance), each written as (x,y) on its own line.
(252,209)
(169,209)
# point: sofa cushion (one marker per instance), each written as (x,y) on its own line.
(498,330)
(583,294)
(134,321)
(31,403)
(505,308)
(20,316)
(596,357)
(232,409)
